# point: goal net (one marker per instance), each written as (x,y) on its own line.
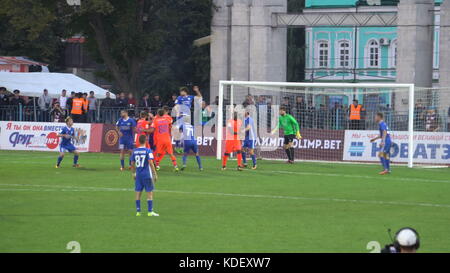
(334,130)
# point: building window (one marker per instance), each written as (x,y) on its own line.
(393,54)
(373,54)
(322,54)
(344,54)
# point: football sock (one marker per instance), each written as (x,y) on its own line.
(292,153)
(224,160)
(239,159)
(199,161)
(288,153)
(75,159)
(138,205)
(388,163)
(382,162)
(150,205)
(184,159)
(122,163)
(253,159)
(60,158)
(244,157)
(174,160)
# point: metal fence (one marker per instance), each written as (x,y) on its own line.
(332,119)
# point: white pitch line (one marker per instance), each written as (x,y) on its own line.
(341,200)
(388,177)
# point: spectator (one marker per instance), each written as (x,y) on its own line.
(145,101)
(44,103)
(448,119)
(432,121)
(16,99)
(84,117)
(69,102)
(28,108)
(4,99)
(92,108)
(286,104)
(310,115)
(299,110)
(131,101)
(63,100)
(107,101)
(248,101)
(419,116)
(171,102)
(121,101)
(57,114)
(156,102)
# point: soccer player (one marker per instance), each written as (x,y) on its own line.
(232,142)
(190,142)
(249,141)
(142,128)
(183,105)
(385,144)
(126,128)
(291,130)
(144,174)
(162,139)
(67,134)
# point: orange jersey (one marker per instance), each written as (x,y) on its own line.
(162,129)
(232,129)
(141,125)
(169,118)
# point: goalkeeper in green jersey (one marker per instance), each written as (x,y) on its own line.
(291,130)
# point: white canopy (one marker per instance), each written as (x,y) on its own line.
(33,84)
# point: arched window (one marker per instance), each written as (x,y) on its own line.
(373,54)
(323,51)
(393,54)
(344,53)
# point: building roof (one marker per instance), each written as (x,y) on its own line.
(17,60)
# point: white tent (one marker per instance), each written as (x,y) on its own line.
(33,84)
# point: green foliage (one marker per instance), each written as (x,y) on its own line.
(141,43)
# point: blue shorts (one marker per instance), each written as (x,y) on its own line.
(143,183)
(126,143)
(190,145)
(387,146)
(249,143)
(67,148)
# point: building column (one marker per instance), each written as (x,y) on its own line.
(415,46)
(444,56)
(220,46)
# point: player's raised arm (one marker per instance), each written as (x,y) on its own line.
(196,89)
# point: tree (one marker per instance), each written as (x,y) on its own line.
(123,35)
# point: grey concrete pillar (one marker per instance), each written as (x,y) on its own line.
(444,55)
(415,46)
(220,45)
(240,46)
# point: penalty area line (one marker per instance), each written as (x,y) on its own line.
(41,188)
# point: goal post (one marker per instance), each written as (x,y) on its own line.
(401,97)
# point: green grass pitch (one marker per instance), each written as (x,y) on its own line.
(306,207)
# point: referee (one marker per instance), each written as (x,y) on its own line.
(291,130)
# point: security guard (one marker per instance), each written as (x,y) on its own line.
(355,116)
(77,108)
